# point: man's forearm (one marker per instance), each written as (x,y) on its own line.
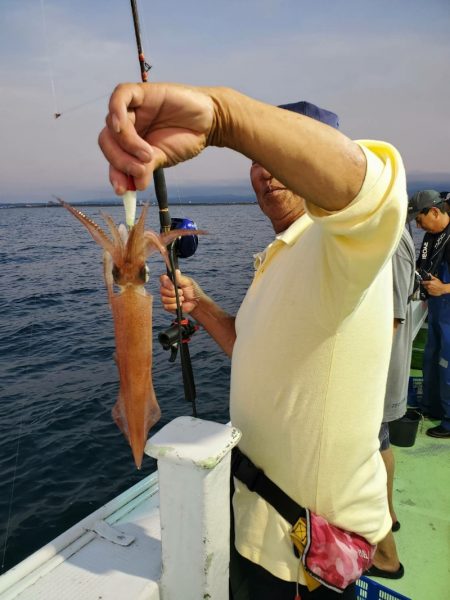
(310,158)
(219,324)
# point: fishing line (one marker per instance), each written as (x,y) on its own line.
(20,433)
(11,498)
(81,105)
(19,437)
(56,113)
(175,178)
(21,425)
(44,415)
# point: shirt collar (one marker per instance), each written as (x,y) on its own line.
(290,235)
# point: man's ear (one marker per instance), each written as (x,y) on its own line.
(435,211)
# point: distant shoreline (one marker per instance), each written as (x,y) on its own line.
(241,195)
(4,206)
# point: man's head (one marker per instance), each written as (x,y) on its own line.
(278,203)
(429,210)
(314,112)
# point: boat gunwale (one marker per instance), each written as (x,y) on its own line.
(43,561)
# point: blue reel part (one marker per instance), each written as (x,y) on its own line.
(187,245)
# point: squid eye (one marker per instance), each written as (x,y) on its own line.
(144,274)
(115,273)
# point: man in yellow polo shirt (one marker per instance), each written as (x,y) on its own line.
(311,342)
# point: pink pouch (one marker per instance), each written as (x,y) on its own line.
(331,555)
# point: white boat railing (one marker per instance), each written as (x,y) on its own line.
(419,315)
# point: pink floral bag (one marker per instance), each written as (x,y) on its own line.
(334,557)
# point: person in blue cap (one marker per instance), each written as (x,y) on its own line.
(310,345)
(429,209)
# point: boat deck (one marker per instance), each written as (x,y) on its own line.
(81,565)
(422,504)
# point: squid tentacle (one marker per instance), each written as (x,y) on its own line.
(118,240)
(95,230)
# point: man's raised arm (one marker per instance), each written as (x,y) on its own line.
(159,125)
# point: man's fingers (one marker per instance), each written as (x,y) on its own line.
(124,97)
(183,280)
(170,307)
(166,283)
(126,136)
(117,156)
(126,151)
(118,180)
(123,162)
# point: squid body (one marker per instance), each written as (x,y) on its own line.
(126,272)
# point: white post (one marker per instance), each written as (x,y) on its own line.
(194,486)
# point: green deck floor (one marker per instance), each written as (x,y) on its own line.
(422,504)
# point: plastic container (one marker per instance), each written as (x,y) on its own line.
(403,432)
(367,589)
(415,390)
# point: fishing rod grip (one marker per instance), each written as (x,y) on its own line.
(161,196)
(190,392)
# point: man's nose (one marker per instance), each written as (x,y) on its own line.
(265,173)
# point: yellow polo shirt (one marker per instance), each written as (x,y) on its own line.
(310,363)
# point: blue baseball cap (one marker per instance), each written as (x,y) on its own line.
(311,110)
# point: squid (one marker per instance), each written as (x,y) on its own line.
(125,270)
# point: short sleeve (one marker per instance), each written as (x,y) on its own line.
(360,239)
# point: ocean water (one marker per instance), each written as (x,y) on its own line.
(61,455)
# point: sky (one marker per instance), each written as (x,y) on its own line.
(382,65)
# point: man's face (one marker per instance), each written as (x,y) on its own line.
(278,203)
(432,220)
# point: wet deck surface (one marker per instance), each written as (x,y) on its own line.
(422,504)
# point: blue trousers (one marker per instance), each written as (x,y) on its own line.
(436,361)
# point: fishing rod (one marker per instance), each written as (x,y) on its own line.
(177,336)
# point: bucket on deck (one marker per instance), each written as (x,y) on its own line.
(403,432)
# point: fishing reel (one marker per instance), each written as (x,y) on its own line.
(187,245)
(178,331)
(181,330)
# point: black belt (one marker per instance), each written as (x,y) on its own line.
(257,481)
